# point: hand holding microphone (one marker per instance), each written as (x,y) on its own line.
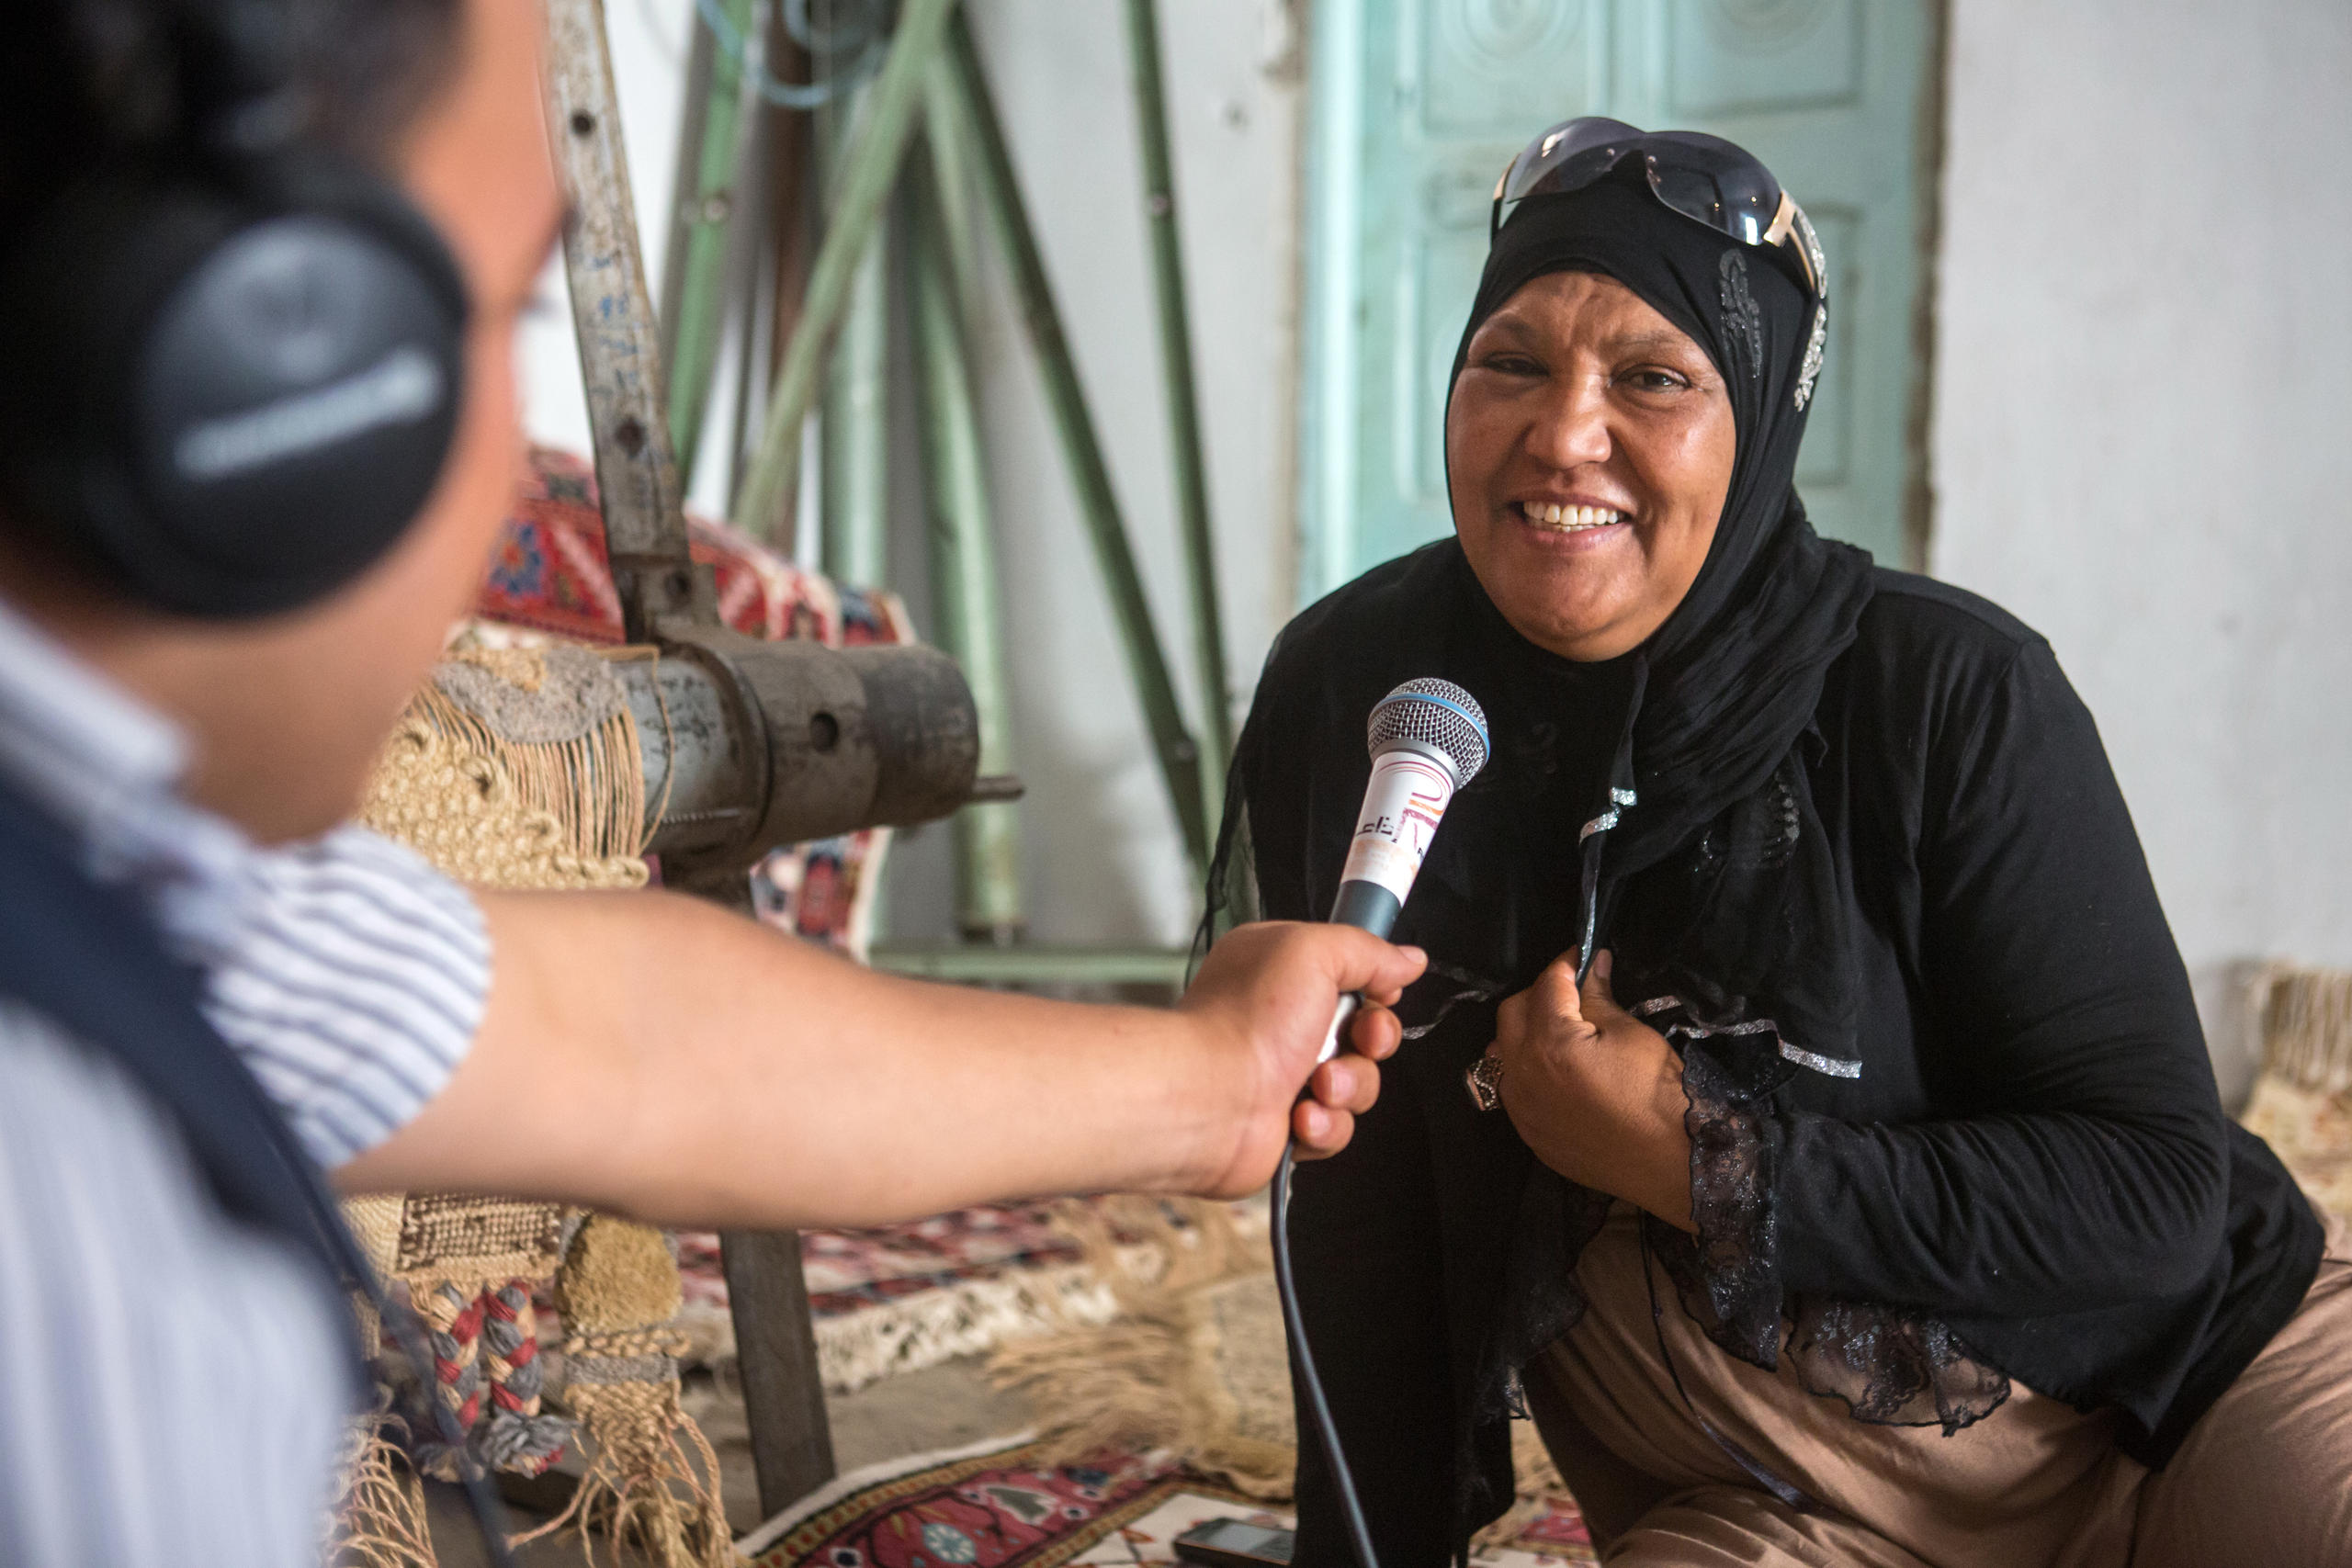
(1428,738)
(1264,996)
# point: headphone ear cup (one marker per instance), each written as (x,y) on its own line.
(232,402)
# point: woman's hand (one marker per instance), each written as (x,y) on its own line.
(1596,1092)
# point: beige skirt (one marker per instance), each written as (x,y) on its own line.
(2265,1477)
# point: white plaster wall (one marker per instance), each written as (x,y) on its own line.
(2142,427)
(1104,862)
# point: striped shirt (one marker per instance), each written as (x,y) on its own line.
(173,1384)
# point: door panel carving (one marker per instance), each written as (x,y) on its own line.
(1485,65)
(1763,56)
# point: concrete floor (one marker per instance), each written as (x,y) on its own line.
(944,1406)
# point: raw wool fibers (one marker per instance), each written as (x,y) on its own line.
(1186,1366)
(2306,1021)
(1195,1370)
(2302,1104)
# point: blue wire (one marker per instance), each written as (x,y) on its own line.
(788,94)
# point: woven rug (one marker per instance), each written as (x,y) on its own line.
(899,1298)
(1007,1503)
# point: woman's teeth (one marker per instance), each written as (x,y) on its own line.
(1568,518)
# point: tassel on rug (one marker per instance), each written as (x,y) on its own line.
(652,1481)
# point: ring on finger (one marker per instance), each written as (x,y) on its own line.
(1485,1081)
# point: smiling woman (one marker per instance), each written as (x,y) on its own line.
(1799,931)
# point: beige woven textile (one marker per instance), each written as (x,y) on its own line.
(519,768)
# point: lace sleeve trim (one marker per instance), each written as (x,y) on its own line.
(1891,1366)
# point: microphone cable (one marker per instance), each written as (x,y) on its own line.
(1426,739)
(1327,1430)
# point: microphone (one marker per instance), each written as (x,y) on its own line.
(1428,738)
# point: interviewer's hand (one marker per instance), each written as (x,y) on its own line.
(1262,1004)
(1596,1092)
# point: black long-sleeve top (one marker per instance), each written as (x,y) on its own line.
(2034,1155)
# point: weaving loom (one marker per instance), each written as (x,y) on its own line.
(519,766)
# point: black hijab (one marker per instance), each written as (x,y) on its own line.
(1721,693)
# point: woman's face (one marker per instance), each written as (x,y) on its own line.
(1590,446)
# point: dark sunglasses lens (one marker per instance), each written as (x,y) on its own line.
(1569,156)
(1733,206)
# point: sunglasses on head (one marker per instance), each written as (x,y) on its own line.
(1702,177)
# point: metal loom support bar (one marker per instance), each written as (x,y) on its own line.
(871,169)
(854,541)
(620,358)
(952,181)
(1184,405)
(694,274)
(962,553)
(1034,965)
(645,537)
(1179,758)
(694,117)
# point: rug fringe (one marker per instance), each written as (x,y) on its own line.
(1153,1379)
(377,1519)
(1148,1380)
(652,1483)
(2305,1017)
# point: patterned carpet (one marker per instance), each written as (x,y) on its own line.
(898,1297)
(997,1505)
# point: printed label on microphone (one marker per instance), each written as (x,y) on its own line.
(1402,805)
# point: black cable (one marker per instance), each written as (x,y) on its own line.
(1303,1361)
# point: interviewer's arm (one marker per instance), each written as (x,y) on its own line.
(651,1054)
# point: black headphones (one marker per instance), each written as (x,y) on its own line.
(231,367)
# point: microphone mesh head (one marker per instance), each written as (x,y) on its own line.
(1434,713)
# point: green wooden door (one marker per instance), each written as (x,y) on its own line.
(1419,103)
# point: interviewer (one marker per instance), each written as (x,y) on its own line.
(175,1375)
